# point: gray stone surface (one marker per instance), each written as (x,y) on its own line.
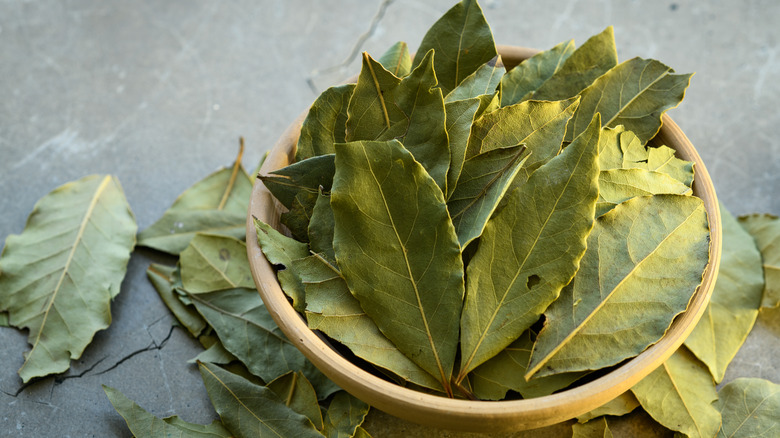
(159,92)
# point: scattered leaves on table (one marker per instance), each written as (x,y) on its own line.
(765,229)
(213,262)
(750,408)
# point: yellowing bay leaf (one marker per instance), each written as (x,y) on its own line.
(620,185)
(621,405)
(344,415)
(662,159)
(750,407)
(250,410)
(592,429)
(679,395)
(645,258)
(216,204)
(588,62)
(325,124)
(142,424)
(397,60)
(520,82)
(634,94)
(213,262)
(529,251)
(733,308)
(765,229)
(483,81)
(398,252)
(60,275)
(463,42)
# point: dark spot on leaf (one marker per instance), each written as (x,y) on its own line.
(224,254)
(533,280)
(673,7)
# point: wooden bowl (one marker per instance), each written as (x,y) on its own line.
(464,415)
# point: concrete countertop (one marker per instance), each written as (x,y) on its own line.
(158,93)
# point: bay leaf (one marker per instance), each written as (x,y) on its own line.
(588,62)
(482,183)
(610,152)
(489,103)
(398,251)
(634,94)
(331,308)
(463,42)
(297,393)
(460,115)
(321,229)
(214,262)
(662,159)
(505,371)
(160,277)
(361,433)
(298,217)
(634,152)
(371,109)
(621,405)
(679,395)
(216,354)
(598,428)
(216,204)
(307,175)
(483,81)
(733,308)
(620,185)
(4,319)
(281,250)
(525,78)
(344,415)
(750,407)
(325,124)
(396,60)
(765,229)
(529,251)
(60,275)
(247,330)
(250,410)
(142,424)
(625,295)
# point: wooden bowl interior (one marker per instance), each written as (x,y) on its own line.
(463,415)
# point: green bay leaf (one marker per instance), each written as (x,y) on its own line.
(662,159)
(142,424)
(281,250)
(634,94)
(308,175)
(371,110)
(460,115)
(529,251)
(250,410)
(765,229)
(520,82)
(398,252)
(598,428)
(750,407)
(679,395)
(621,405)
(620,185)
(344,415)
(733,308)
(216,353)
(463,42)
(483,81)
(297,219)
(321,229)
(213,262)
(397,60)
(296,392)
(188,317)
(325,124)
(60,275)
(625,295)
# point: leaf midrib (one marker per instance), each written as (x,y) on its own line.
(639,93)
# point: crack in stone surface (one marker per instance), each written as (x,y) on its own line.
(151,347)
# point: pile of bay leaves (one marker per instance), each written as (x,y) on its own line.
(458,229)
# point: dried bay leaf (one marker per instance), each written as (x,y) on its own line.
(250,410)
(482,183)
(321,229)
(398,251)
(307,175)
(520,82)
(598,428)
(160,276)
(397,60)
(344,415)
(325,124)
(529,251)
(282,250)
(297,393)
(679,395)
(370,108)
(460,115)
(505,371)
(142,424)
(662,159)
(247,330)
(621,405)
(60,275)
(750,407)
(214,262)
(765,229)
(463,42)
(331,308)
(298,218)
(216,354)
(625,295)
(482,82)
(589,61)
(733,308)
(620,185)
(634,94)
(216,204)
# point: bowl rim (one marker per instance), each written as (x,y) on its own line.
(467,415)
